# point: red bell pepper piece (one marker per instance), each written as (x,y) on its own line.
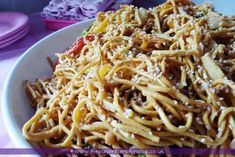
(89,37)
(78,46)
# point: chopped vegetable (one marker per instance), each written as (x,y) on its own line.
(170,23)
(104,70)
(76,47)
(89,37)
(79,45)
(212,69)
(144,44)
(101,26)
(86,31)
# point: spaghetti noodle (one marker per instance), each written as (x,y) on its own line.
(141,78)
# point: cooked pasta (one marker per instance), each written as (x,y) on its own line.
(141,78)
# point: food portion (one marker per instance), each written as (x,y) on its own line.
(144,79)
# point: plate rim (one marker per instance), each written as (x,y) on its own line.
(8,117)
(16,26)
(14,37)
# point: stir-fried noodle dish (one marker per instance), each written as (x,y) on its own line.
(141,78)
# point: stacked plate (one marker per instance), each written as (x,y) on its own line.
(13,26)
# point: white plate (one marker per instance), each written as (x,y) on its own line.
(31,65)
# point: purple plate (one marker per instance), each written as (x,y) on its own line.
(14,35)
(11,22)
(14,38)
